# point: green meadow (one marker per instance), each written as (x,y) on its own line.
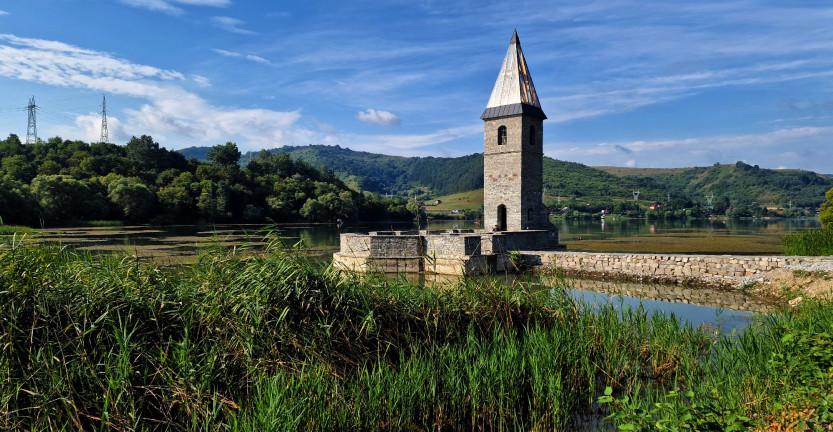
(274,341)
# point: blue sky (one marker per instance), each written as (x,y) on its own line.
(626,83)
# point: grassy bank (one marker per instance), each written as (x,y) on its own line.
(275,342)
(811,242)
(8,230)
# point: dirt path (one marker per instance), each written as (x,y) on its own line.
(792,285)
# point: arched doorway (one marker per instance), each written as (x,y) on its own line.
(501,217)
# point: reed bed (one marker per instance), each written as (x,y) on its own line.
(274,341)
(811,242)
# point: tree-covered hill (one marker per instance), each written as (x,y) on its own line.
(62,182)
(374,172)
(739,184)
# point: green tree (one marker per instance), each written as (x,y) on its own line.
(19,168)
(826,211)
(314,210)
(64,199)
(224,154)
(17,205)
(133,198)
(142,153)
(212,201)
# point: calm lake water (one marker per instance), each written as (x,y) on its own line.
(622,235)
(179,243)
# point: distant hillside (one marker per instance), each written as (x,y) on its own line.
(735,184)
(198,153)
(739,182)
(382,173)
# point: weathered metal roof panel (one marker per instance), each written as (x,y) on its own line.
(514,82)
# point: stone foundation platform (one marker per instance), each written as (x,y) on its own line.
(451,252)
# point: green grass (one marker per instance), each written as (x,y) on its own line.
(16,229)
(471,200)
(277,342)
(811,242)
(99,223)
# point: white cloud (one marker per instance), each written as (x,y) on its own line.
(88,127)
(379,117)
(155,5)
(171,113)
(230,24)
(2,12)
(407,144)
(167,6)
(226,53)
(201,80)
(215,3)
(257,59)
(803,146)
(251,57)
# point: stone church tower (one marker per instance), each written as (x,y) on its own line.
(513,150)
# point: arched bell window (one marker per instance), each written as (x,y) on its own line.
(501,135)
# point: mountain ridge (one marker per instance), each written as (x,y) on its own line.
(425,177)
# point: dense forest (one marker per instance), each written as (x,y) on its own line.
(61,181)
(740,182)
(735,185)
(423,177)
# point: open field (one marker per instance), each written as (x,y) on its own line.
(627,171)
(274,341)
(471,200)
(694,243)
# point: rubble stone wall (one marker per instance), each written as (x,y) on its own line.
(706,269)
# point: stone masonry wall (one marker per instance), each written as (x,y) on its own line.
(513,173)
(452,245)
(502,171)
(726,270)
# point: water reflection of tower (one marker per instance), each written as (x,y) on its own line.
(603,224)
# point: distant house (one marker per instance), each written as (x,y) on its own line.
(437,202)
(654,206)
(455,211)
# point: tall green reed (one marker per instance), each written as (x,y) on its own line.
(276,341)
(811,242)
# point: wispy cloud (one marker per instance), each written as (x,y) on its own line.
(170,111)
(178,117)
(168,6)
(2,12)
(230,24)
(252,57)
(201,80)
(805,144)
(409,144)
(379,117)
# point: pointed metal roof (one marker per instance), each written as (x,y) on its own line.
(514,92)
